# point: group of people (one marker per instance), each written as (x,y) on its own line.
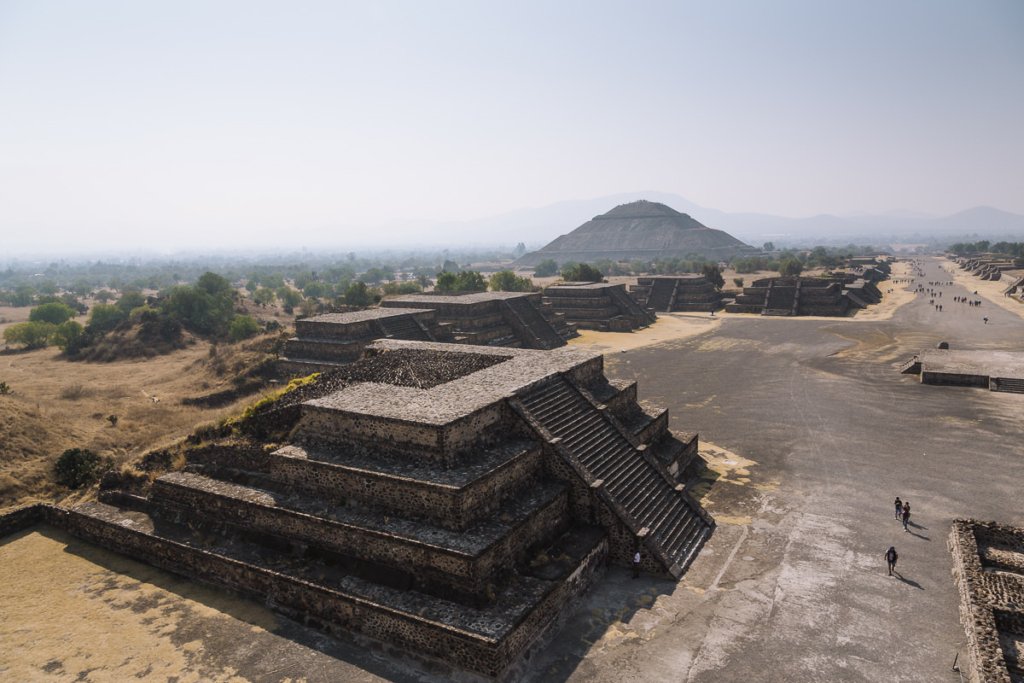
(902,513)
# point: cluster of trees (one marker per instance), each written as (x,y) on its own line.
(1015,249)
(206,309)
(462,281)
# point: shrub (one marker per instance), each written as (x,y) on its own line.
(546,268)
(713,275)
(581,272)
(67,335)
(53,312)
(4,388)
(243,327)
(105,317)
(77,467)
(464,281)
(738,281)
(507,281)
(34,335)
(358,294)
(790,267)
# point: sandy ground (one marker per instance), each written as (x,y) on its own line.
(107,618)
(56,404)
(991,290)
(668,327)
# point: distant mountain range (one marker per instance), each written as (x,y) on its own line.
(539,226)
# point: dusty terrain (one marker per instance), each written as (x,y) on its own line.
(57,404)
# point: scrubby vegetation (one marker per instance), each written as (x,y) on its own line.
(507,281)
(463,281)
(77,467)
(581,272)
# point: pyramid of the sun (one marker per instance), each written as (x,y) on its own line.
(639,230)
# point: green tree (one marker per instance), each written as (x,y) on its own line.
(358,294)
(67,335)
(264,296)
(243,327)
(23,295)
(507,281)
(768,246)
(105,317)
(77,467)
(470,281)
(130,300)
(790,267)
(581,272)
(738,281)
(52,312)
(34,335)
(289,298)
(713,275)
(546,268)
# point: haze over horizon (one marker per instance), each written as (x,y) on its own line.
(188,124)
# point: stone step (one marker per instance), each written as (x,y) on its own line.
(413,487)
(633,482)
(466,560)
(483,639)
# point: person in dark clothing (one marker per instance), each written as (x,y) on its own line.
(906,516)
(899,507)
(890,559)
(636,565)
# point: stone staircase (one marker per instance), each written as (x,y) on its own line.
(662,294)
(404,327)
(643,495)
(522,314)
(1008,384)
(630,307)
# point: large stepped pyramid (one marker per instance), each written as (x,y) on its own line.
(445,501)
(639,230)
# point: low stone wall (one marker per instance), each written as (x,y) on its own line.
(13,520)
(954,379)
(989,600)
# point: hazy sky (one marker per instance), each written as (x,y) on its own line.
(141,122)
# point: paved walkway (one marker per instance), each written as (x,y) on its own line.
(794,585)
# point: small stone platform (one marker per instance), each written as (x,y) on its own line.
(793,296)
(598,306)
(993,370)
(676,293)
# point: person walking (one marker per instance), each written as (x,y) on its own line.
(890,559)
(636,565)
(899,507)
(906,516)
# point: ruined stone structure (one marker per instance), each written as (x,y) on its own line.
(445,500)
(988,567)
(988,266)
(993,370)
(514,319)
(639,230)
(325,341)
(788,296)
(598,306)
(676,293)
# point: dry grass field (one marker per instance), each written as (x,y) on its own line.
(55,404)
